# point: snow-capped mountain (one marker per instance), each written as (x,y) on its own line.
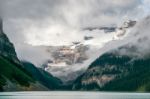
(66,60)
(68,55)
(123,67)
(69,61)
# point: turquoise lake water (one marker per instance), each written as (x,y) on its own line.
(72,95)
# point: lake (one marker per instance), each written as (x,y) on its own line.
(72,95)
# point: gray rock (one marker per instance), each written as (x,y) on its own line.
(6,47)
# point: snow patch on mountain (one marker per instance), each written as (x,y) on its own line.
(65,60)
(94,47)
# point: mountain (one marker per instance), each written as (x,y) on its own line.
(69,61)
(112,72)
(65,58)
(42,76)
(12,74)
(130,59)
(125,68)
(18,76)
(6,47)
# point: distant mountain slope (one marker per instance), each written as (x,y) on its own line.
(112,72)
(42,76)
(9,72)
(125,68)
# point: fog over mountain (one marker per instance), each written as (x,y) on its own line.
(130,53)
(33,24)
(138,40)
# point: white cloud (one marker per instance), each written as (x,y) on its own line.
(40,22)
(57,22)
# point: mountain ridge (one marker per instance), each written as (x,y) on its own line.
(124,68)
(14,75)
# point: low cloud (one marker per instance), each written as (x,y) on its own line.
(40,22)
(59,22)
(136,44)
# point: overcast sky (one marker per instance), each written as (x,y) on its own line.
(57,22)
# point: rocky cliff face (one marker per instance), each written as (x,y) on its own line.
(14,76)
(6,47)
(62,58)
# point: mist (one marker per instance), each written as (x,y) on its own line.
(138,40)
(30,23)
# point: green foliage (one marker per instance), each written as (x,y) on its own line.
(2,83)
(10,71)
(132,75)
(138,78)
(42,76)
(110,59)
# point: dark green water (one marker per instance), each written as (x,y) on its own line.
(72,95)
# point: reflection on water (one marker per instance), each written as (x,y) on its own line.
(72,95)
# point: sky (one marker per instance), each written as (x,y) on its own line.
(57,22)
(60,22)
